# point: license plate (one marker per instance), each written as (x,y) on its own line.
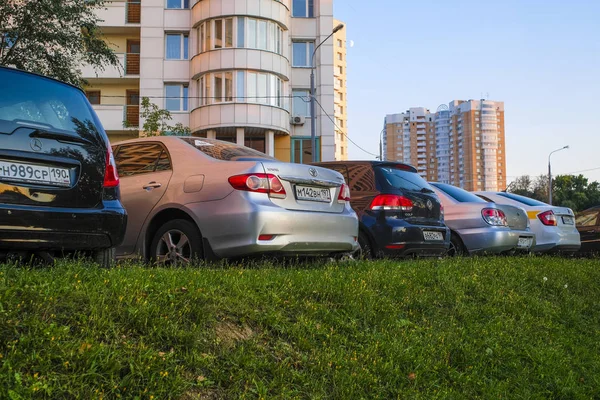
(430,235)
(22,172)
(524,243)
(313,194)
(568,220)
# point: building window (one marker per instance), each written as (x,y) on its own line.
(341,70)
(301,102)
(242,87)
(178,4)
(177,46)
(302,53)
(339,83)
(339,42)
(93,96)
(303,9)
(301,151)
(176,97)
(251,33)
(339,55)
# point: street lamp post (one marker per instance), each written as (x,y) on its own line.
(550,174)
(313,120)
(381,144)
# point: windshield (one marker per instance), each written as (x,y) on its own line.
(458,194)
(523,200)
(32,101)
(225,151)
(403,179)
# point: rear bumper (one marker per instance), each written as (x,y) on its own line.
(26,228)
(551,239)
(232,227)
(495,240)
(394,237)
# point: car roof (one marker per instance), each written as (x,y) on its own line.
(374,163)
(40,76)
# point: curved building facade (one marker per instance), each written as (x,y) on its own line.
(236,70)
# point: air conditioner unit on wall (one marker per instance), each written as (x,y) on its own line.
(297,120)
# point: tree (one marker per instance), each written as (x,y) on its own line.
(156,121)
(53,38)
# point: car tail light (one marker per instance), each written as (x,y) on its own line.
(111,176)
(266,237)
(548,218)
(494,217)
(259,183)
(391,202)
(344,195)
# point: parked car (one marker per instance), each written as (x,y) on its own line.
(479,226)
(554,227)
(588,225)
(199,198)
(59,188)
(399,213)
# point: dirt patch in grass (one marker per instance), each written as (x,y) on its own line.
(229,333)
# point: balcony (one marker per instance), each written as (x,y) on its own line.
(129,67)
(119,15)
(112,116)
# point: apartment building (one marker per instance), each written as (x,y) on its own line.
(462,144)
(410,138)
(340,93)
(236,70)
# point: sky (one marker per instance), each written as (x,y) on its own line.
(542,58)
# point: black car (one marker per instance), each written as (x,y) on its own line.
(59,188)
(399,214)
(588,225)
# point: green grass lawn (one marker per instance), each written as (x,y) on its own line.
(519,328)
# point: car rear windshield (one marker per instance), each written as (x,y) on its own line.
(403,179)
(28,100)
(522,199)
(458,194)
(225,151)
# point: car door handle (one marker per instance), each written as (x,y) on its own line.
(152,185)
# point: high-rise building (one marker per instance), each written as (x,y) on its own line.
(462,144)
(410,138)
(340,93)
(236,70)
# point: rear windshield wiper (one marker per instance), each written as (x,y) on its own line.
(63,137)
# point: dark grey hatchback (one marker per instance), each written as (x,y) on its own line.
(59,188)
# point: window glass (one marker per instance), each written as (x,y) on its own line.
(228,86)
(173,46)
(229,32)
(240,31)
(93,96)
(522,199)
(241,86)
(458,194)
(302,8)
(29,98)
(185,47)
(262,88)
(224,150)
(251,33)
(176,97)
(401,178)
(135,159)
(262,35)
(587,218)
(185,97)
(218,88)
(164,163)
(301,53)
(300,102)
(218,24)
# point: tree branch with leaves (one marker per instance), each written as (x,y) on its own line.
(156,121)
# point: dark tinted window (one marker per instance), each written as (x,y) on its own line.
(141,158)
(31,101)
(485,198)
(588,218)
(403,179)
(458,194)
(224,150)
(522,199)
(361,177)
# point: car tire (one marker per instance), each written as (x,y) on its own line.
(457,248)
(365,250)
(185,238)
(106,258)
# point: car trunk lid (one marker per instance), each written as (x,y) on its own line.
(516,217)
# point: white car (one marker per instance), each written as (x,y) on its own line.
(554,227)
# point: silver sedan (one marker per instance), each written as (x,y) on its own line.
(481,227)
(189,198)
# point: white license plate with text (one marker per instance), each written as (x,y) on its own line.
(31,173)
(309,193)
(431,235)
(524,243)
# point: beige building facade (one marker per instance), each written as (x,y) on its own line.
(340,93)
(462,144)
(236,70)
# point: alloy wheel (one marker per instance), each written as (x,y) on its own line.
(174,247)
